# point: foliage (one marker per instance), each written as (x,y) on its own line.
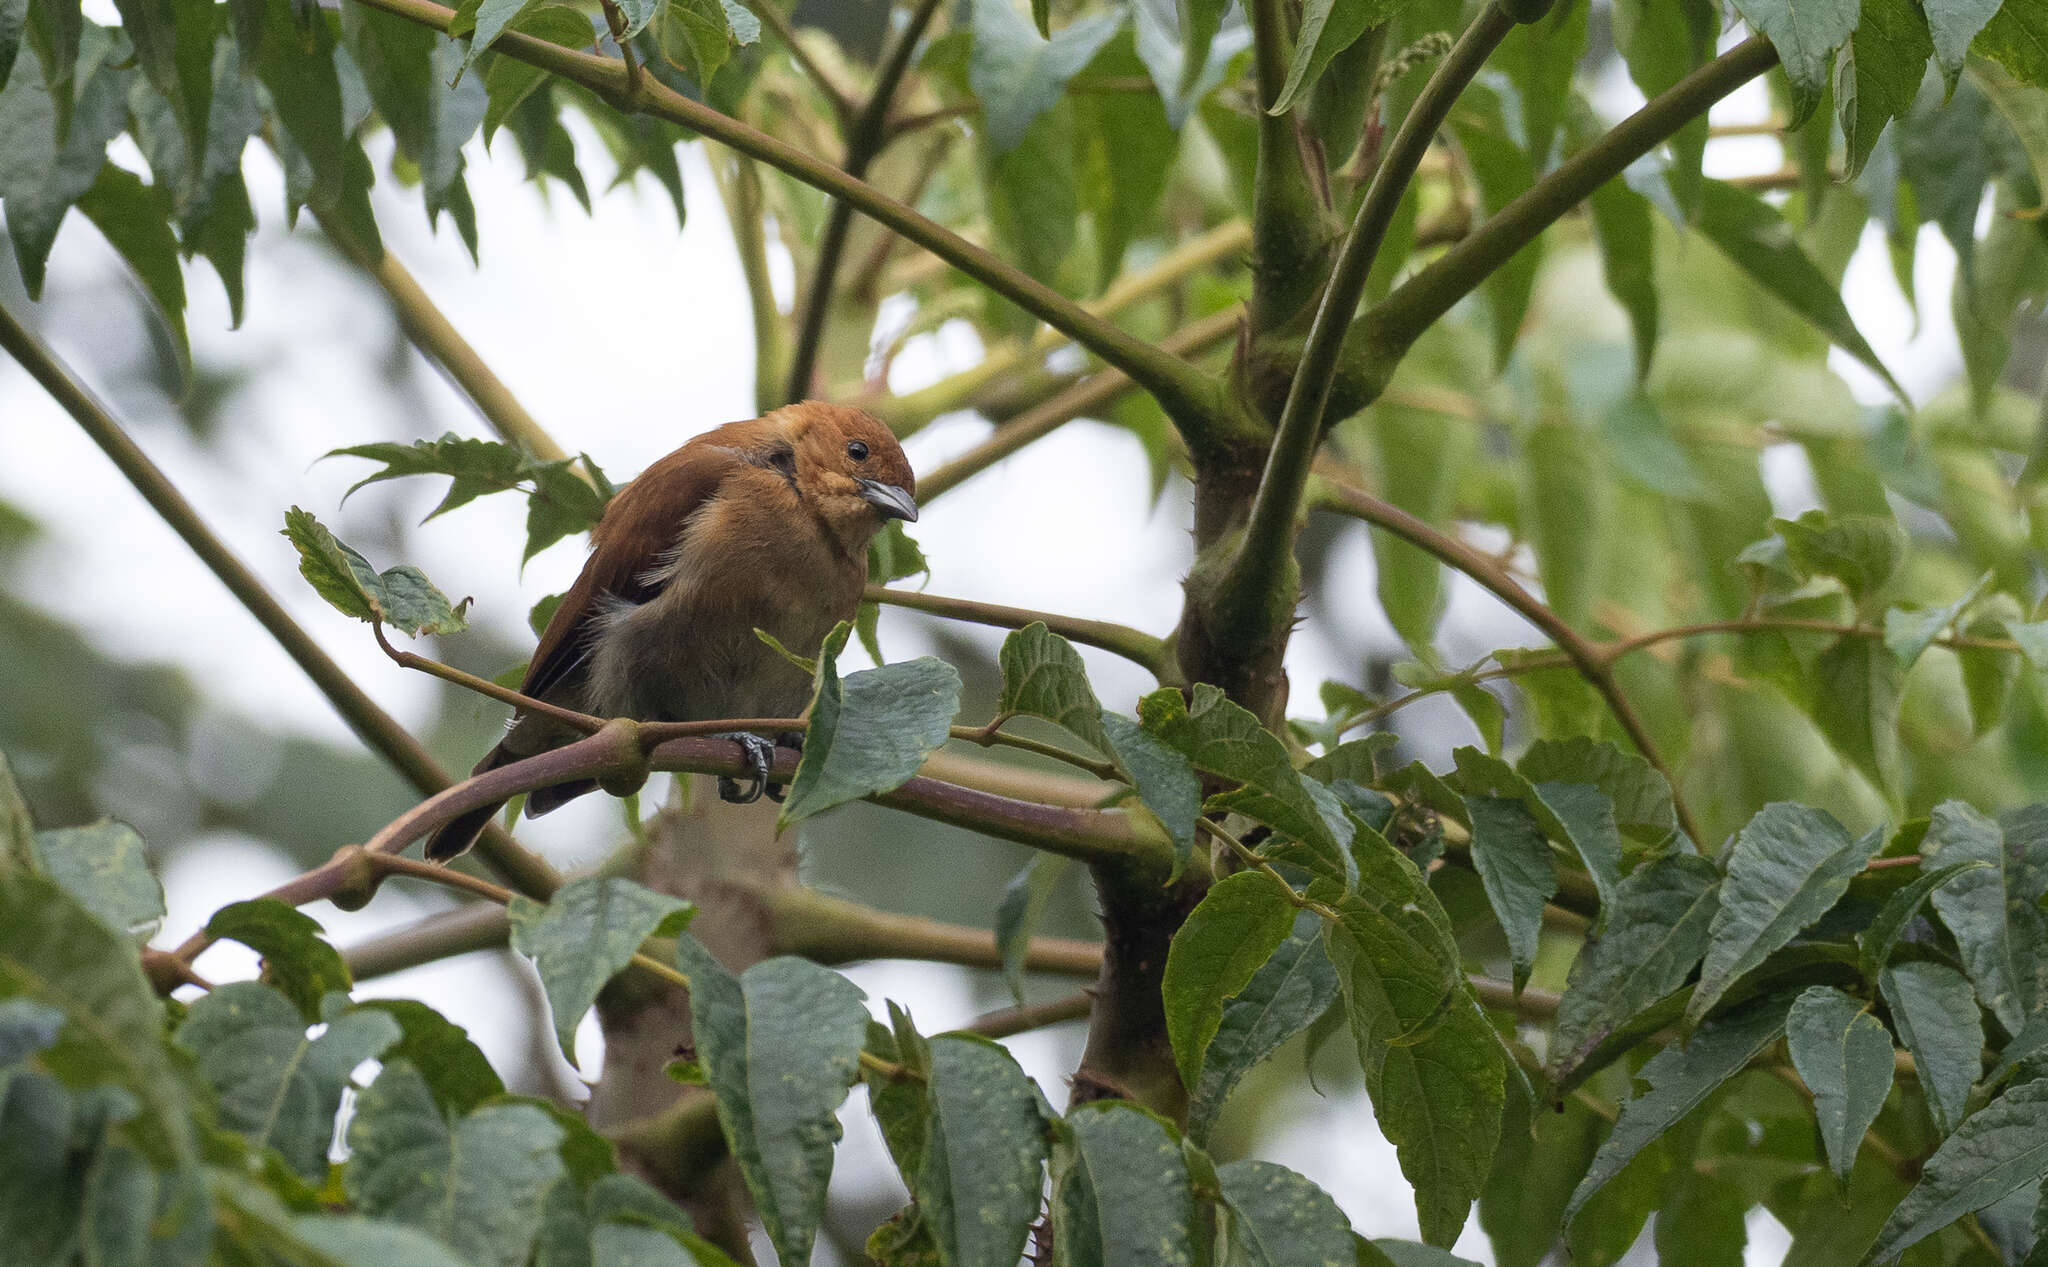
(1738,903)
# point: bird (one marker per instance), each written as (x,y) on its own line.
(761,524)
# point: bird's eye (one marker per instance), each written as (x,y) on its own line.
(857,451)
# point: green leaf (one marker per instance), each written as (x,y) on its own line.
(1439,1102)
(1754,235)
(1663,42)
(17,826)
(1223,738)
(700,35)
(1280,1219)
(297,63)
(1935,1013)
(1786,869)
(1166,782)
(106,867)
(983,1161)
(1996,1150)
(1406,1254)
(1579,815)
(1504,171)
(781,1044)
(1641,794)
(1625,234)
(1954,24)
(1328,27)
(1856,690)
(1513,861)
(401,596)
(1121,1195)
(296,958)
(414,76)
(1640,441)
(1289,991)
(1033,192)
(1880,72)
(2017,38)
(585,935)
(1422,459)
(1043,677)
(1656,929)
(1127,147)
(456,1071)
(50,1143)
(1908,633)
(1806,34)
(1681,1077)
(350,1240)
(509,81)
(1540,58)
(13,18)
(26,1027)
(276,1086)
(1017,914)
(1019,74)
(53,952)
(135,220)
(44,168)
(1989,676)
(1994,912)
(869,731)
(1875,942)
(1844,1055)
(1226,939)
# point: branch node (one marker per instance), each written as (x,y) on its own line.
(360,877)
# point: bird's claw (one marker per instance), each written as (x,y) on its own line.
(787,739)
(760,756)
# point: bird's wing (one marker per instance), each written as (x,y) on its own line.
(640,526)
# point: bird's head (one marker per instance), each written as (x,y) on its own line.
(850,467)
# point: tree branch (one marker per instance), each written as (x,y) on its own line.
(1255,596)
(462,931)
(378,730)
(832,930)
(864,140)
(1194,399)
(1380,338)
(1585,655)
(1291,233)
(773,18)
(1135,645)
(740,190)
(1017,1020)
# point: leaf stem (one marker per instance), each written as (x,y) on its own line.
(1193,398)
(865,139)
(378,730)
(1298,900)
(483,686)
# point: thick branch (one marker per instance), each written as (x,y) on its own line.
(1135,645)
(1585,655)
(376,728)
(1291,234)
(1190,396)
(864,140)
(1255,596)
(1382,336)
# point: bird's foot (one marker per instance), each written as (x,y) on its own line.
(760,755)
(787,739)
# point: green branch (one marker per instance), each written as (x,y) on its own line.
(1193,398)
(740,190)
(1254,598)
(376,728)
(864,140)
(1135,645)
(1291,232)
(1380,338)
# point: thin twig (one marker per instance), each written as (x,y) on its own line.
(1135,645)
(840,101)
(484,686)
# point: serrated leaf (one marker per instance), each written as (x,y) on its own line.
(2016,36)
(1513,861)
(508,81)
(1996,1150)
(297,960)
(870,731)
(1880,73)
(1787,868)
(979,1183)
(1806,34)
(53,952)
(1043,677)
(454,1068)
(781,1045)
(1019,74)
(401,596)
(1439,1102)
(1844,1055)
(44,168)
(1641,794)
(1280,1219)
(1875,942)
(1935,1012)
(1290,990)
(585,935)
(1225,940)
(1655,930)
(1680,1078)
(1994,912)
(1220,736)
(1121,1195)
(1954,24)
(474,1183)
(1578,815)
(1018,912)
(106,867)
(1166,781)
(277,1087)
(1856,688)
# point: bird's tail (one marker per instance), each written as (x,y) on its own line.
(456,836)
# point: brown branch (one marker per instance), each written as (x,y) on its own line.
(1010,1021)
(1135,645)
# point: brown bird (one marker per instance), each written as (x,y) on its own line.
(762,524)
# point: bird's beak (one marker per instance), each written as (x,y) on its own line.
(891,500)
